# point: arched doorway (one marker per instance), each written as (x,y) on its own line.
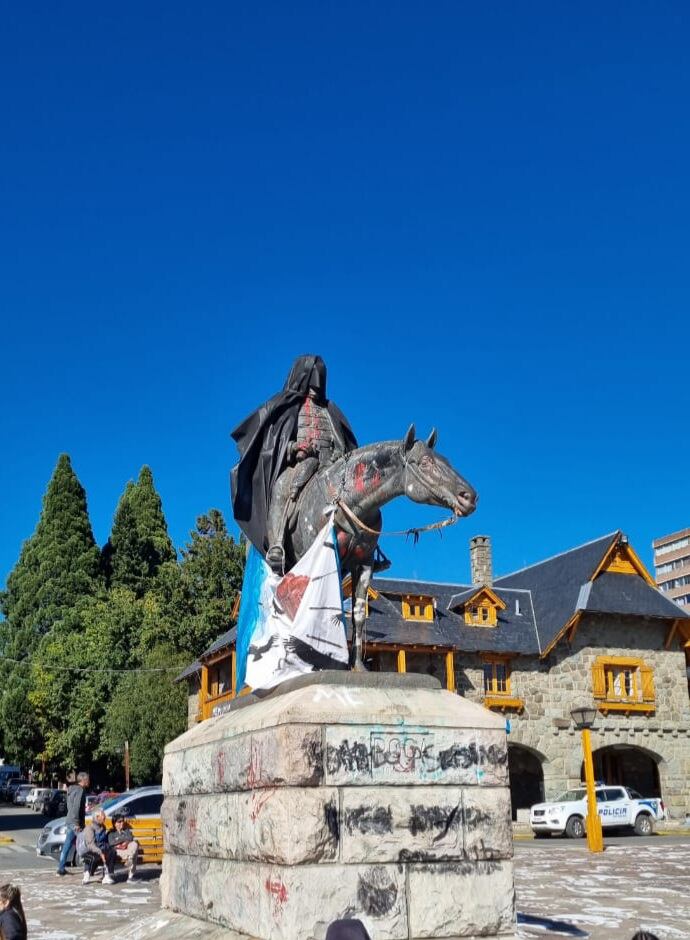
(628,766)
(526,777)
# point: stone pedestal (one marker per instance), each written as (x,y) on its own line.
(375,796)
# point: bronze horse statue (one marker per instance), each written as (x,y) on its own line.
(359,484)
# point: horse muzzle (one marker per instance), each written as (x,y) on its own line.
(465,503)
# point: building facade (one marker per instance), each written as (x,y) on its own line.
(672,566)
(588,625)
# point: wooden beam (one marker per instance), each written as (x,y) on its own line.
(402,664)
(562,632)
(234,674)
(204,692)
(670,635)
(450,671)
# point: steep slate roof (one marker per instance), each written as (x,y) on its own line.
(562,585)
(225,639)
(613,593)
(549,592)
(556,582)
(514,633)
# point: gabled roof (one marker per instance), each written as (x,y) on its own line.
(562,586)
(224,640)
(190,670)
(556,582)
(515,632)
(477,590)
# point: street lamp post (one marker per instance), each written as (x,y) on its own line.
(584,719)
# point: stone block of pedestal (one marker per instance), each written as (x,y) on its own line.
(379,796)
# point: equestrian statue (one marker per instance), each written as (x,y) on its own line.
(299,458)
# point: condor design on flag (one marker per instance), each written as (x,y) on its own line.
(296,623)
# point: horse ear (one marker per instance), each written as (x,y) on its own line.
(431,439)
(408,440)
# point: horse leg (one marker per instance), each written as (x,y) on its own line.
(361,576)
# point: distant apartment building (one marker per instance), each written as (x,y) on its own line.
(672,566)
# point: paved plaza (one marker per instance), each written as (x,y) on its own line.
(560,886)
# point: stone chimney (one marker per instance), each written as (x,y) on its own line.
(480,560)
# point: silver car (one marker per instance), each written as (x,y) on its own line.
(21,793)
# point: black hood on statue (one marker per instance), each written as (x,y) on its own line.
(264,438)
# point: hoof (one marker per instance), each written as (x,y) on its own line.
(358,666)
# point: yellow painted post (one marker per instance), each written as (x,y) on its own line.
(595,836)
(402,664)
(450,671)
(204,692)
(234,674)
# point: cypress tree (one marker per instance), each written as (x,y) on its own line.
(56,568)
(139,544)
(59,563)
(211,578)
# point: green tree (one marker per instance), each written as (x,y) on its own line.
(59,563)
(148,709)
(57,566)
(139,545)
(74,673)
(210,581)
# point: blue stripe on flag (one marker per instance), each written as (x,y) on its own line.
(255,572)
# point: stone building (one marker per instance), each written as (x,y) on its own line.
(586,625)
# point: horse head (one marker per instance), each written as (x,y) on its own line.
(430,479)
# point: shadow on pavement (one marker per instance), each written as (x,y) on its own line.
(16,822)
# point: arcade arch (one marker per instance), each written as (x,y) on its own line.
(628,765)
(526,772)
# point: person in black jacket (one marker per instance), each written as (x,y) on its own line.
(12,919)
(76,814)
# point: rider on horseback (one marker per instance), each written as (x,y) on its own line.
(282,445)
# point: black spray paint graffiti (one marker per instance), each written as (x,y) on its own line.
(443,819)
(369,820)
(376,892)
(403,753)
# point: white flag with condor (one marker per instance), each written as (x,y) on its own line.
(292,625)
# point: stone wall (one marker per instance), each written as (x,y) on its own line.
(378,796)
(551,687)
(193,701)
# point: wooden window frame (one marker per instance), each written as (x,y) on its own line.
(493,697)
(643,697)
(482,614)
(418,602)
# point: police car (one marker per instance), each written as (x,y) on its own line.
(617,806)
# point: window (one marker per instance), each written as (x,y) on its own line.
(481,615)
(220,678)
(496,678)
(417,607)
(148,805)
(672,546)
(623,684)
(497,685)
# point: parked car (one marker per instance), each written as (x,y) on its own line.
(142,809)
(12,786)
(617,806)
(21,793)
(95,799)
(7,771)
(54,804)
(35,798)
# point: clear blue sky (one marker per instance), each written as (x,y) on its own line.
(477,213)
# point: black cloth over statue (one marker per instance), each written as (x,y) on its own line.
(264,440)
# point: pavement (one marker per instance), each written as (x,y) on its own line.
(562,891)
